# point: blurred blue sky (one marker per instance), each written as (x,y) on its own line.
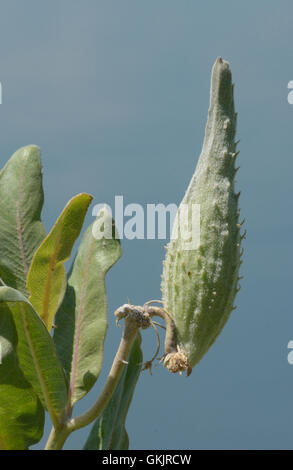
(116,95)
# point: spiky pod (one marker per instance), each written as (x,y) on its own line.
(199,285)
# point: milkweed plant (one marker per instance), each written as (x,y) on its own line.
(53,324)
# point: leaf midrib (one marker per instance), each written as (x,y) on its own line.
(46,395)
(75,355)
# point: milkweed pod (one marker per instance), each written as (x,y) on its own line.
(200,273)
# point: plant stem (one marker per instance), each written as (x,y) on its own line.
(58,436)
(129,333)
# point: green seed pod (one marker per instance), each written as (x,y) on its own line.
(199,284)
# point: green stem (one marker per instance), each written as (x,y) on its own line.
(129,333)
(58,436)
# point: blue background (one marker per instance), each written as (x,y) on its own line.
(116,95)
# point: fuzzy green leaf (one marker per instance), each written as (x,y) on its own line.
(36,353)
(21,413)
(81,321)
(21,201)
(108,431)
(46,280)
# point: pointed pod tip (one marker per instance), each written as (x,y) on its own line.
(221,94)
(221,63)
(221,68)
